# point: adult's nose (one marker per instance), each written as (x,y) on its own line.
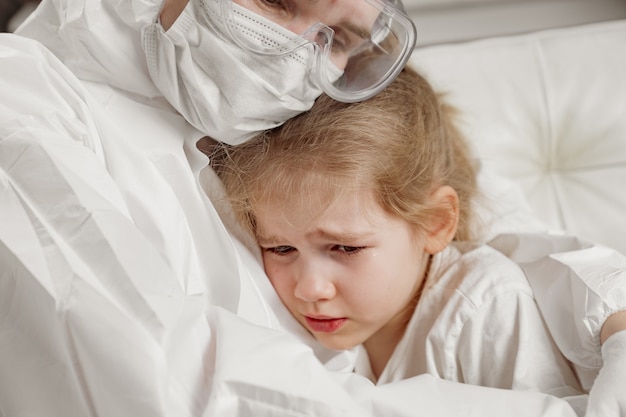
(303,22)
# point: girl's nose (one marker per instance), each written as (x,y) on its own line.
(313,284)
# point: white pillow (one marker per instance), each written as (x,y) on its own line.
(547,111)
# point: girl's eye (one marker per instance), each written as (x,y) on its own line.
(280,250)
(348,250)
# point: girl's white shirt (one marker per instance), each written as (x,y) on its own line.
(477,322)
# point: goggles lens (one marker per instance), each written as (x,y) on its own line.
(359,46)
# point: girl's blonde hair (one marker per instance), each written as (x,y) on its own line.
(401,144)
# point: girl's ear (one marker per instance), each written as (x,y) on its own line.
(444,222)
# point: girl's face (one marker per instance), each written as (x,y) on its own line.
(349,273)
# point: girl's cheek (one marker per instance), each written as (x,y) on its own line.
(275,272)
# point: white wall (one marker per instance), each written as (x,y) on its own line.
(441,21)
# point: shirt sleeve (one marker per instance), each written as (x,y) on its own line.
(506,344)
(577,285)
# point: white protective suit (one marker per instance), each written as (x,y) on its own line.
(121,291)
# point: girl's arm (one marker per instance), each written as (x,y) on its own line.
(615,323)
(607,396)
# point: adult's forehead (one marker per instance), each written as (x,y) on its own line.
(299,15)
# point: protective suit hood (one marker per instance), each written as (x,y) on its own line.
(224,92)
(100,41)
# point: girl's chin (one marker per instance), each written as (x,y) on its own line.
(336,342)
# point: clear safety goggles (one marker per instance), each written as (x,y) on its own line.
(358,48)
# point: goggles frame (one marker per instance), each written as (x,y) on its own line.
(355,82)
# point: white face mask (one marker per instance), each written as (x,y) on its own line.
(226,92)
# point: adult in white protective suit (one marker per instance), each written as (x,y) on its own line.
(121,291)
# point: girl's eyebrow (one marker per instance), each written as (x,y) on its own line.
(339,236)
(267,240)
(319,233)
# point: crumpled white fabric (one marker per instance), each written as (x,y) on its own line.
(577,286)
(121,290)
(109,302)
